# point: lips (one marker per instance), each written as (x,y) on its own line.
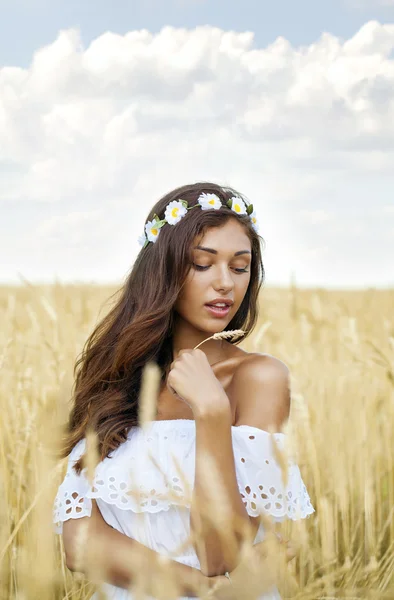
(226,301)
(222,306)
(216,311)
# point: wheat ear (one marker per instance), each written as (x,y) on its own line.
(234,333)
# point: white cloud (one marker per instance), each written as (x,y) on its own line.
(72,228)
(315,216)
(370,3)
(98,133)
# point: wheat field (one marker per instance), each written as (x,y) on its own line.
(339,346)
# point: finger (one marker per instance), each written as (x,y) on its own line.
(174,392)
(171,389)
(184,351)
(181,353)
(290,555)
(174,362)
(178,356)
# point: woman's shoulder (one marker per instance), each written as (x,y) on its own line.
(259,390)
(249,361)
(240,367)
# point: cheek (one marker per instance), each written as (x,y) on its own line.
(242,288)
(246,283)
(194,282)
(189,296)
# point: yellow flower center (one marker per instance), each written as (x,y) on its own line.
(174,211)
(154,231)
(254,219)
(211,202)
(237,208)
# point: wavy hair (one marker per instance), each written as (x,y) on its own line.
(139,327)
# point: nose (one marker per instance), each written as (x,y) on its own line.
(224,279)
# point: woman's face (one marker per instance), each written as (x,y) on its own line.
(222,272)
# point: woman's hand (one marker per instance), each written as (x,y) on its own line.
(192,380)
(221,588)
(291,549)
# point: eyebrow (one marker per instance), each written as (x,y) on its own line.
(212,251)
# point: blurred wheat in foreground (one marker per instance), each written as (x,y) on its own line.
(339,347)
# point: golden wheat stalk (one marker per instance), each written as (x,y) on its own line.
(234,333)
(149,393)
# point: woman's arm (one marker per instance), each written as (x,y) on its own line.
(261,392)
(214,438)
(106,554)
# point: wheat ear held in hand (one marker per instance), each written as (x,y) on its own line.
(234,333)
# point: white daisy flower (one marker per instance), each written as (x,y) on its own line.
(142,240)
(255,223)
(208,201)
(152,231)
(175,211)
(238,205)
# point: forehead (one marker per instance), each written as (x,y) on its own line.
(229,237)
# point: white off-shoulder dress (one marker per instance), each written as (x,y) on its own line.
(143,488)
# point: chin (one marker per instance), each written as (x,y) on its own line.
(218,328)
(210,329)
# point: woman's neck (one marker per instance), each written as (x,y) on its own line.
(189,339)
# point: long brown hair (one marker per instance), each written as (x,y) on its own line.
(139,327)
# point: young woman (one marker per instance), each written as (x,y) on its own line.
(199,272)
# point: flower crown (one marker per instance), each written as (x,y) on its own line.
(177,209)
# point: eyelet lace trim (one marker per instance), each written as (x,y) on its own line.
(130,481)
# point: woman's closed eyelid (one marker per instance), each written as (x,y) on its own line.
(205,267)
(245,262)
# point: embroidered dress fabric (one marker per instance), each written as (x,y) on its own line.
(144,488)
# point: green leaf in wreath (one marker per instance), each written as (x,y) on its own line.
(229,203)
(249,209)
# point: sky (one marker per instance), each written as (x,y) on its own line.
(104,108)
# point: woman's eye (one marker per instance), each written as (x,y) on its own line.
(202,268)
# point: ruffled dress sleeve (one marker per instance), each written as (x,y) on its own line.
(132,480)
(71,500)
(259,476)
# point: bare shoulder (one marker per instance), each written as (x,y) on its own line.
(261,386)
(262,366)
